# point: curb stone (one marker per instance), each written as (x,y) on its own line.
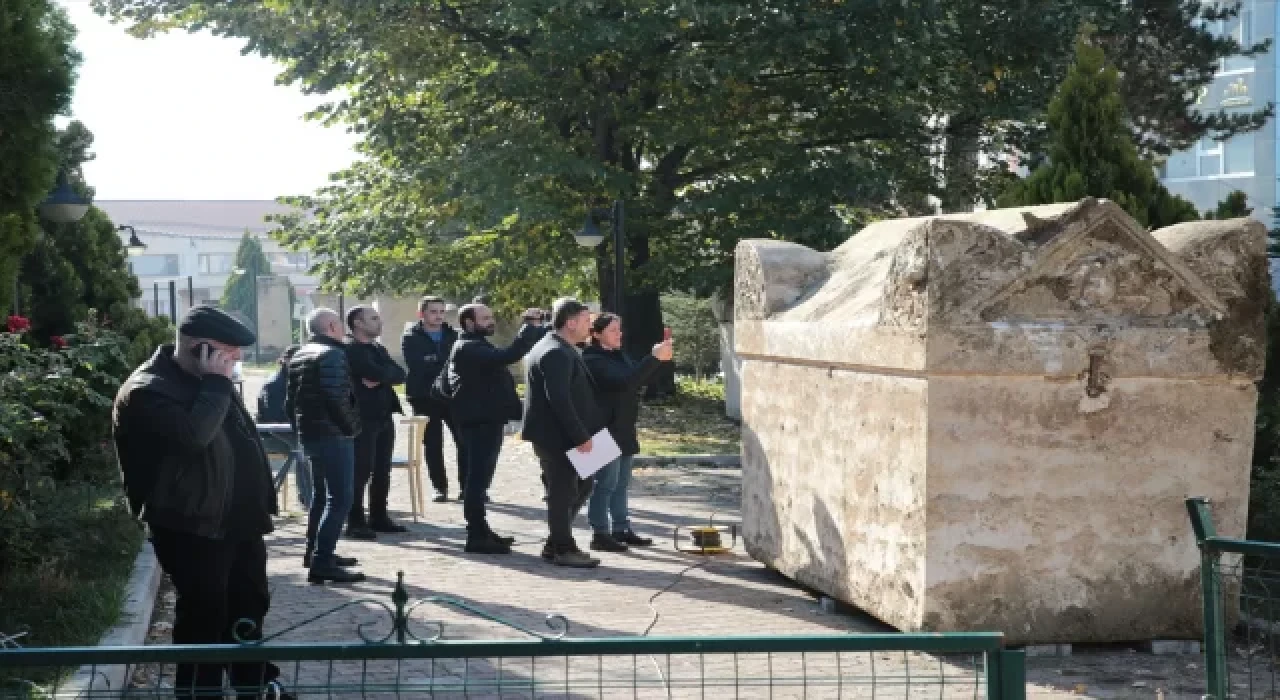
(131,630)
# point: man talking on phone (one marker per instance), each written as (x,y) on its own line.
(195,471)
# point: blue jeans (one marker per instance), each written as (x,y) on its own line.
(302,479)
(609,499)
(333,462)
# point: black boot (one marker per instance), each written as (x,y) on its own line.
(340,561)
(383,523)
(601,542)
(630,538)
(483,542)
(357,527)
(334,573)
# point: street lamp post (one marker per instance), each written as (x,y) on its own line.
(253,274)
(63,206)
(590,237)
(135,246)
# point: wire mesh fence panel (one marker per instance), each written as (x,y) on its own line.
(569,668)
(1240,583)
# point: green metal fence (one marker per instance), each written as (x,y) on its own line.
(398,655)
(1240,581)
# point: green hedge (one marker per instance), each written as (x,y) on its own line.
(67,541)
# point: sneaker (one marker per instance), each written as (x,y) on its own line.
(485,544)
(336,574)
(441,497)
(387,525)
(575,559)
(600,542)
(361,532)
(340,561)
(631,538)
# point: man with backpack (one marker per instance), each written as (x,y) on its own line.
(426,346)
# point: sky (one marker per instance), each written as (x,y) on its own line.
(185,116)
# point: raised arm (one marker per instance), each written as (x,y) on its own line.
(611,376)
(483,356)
(190,429)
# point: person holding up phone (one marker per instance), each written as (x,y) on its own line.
(195,471)
(618,379)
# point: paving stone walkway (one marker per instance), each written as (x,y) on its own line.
(656,590)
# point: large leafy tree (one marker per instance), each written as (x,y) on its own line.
(713,120)
(1091,150)
(77,267)
(37,73)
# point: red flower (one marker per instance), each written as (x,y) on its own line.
(58,341)
(18,324)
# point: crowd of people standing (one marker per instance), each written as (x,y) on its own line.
(195,470)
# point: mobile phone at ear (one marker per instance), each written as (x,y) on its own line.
(199,349)
(666,334)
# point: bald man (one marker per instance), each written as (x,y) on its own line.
(320,401)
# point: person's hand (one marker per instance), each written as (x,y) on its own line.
(214,361)
(584,447)
(663,351)
(369,383)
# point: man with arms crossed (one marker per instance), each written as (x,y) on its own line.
(373,374)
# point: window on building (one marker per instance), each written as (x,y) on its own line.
(1237,155)
(217,263)
(289,262)
(1180,165)
(1209,157)
(155,265)
(1239,28)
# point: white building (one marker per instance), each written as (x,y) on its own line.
(194,242)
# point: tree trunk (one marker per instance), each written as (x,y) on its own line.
(961,164)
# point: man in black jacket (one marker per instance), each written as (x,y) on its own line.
(322,403)
(195,471)
(373,374)
(426,346)
(561,413)
(484,400)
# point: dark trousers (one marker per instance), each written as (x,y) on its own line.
(218,582)
(374,444)
(483,443)
(566,494)
(433,447)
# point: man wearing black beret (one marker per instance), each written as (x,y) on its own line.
(195,471)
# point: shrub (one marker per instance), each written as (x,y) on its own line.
(55,420)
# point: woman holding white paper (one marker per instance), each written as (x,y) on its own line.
(618,379)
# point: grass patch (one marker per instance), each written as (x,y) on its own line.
(692,422)
(74,591)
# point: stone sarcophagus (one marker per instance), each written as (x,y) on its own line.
(990,421)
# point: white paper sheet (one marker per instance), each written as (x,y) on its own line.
(604,449)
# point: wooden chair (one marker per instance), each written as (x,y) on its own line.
(417,491)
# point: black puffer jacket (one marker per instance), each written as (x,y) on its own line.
(320,397)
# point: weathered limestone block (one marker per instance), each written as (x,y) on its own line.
(990,421)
